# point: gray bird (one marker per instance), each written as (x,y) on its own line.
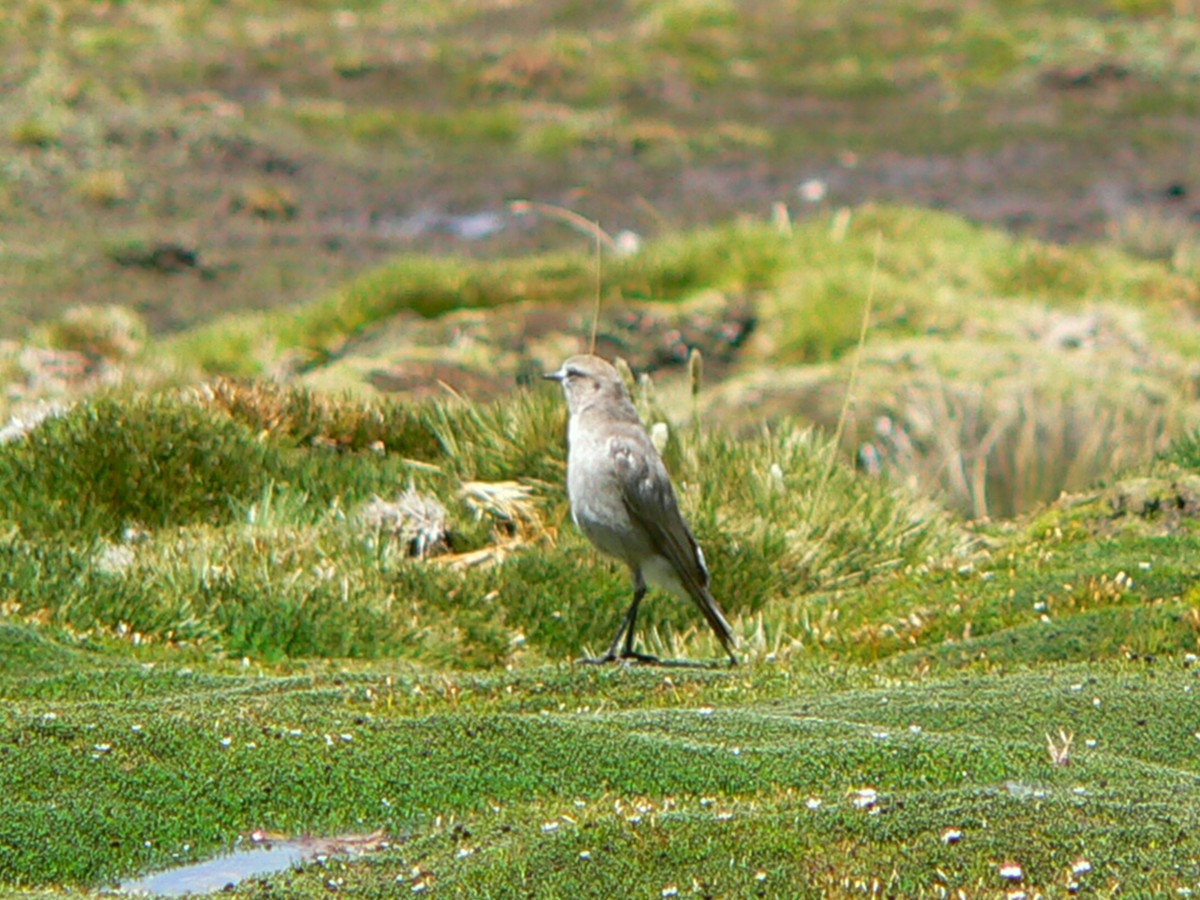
(622,499)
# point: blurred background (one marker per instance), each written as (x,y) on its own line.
(188,159)
(175,172)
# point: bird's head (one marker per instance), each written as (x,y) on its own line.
(588,380)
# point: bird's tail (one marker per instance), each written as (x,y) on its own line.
(717,621)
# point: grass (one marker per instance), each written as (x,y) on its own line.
(217,642)
(1060,335)
(493,787)
(933,272)
(207,627)
(192,522)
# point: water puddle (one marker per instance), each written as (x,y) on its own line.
(474,226)
(264,855)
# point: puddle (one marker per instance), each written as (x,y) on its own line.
(470,227)
(1024,791)
(263,856)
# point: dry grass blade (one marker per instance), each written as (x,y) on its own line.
(510,503)
(1060,750)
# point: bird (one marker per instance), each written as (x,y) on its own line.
(623,501)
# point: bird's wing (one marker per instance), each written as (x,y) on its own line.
(650,500)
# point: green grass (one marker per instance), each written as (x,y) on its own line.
(733,258)
(236,522)
(232,518)
(219,645)
(936,273)
(201,634)
(658,780)
(823,570)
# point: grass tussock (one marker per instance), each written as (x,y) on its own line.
(935,274)
(739,257)
(233,516)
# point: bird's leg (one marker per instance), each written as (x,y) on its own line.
(625,632)
(639,591)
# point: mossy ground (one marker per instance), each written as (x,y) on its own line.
(568,782)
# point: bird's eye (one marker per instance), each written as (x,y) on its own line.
(573,372)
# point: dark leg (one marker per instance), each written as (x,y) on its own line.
(639,591)
(625,632)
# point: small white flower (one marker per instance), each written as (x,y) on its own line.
(226,741)
(865,798)
(1011,871)
(1080,867)
(585,854)
(813,190)
(549,826)
(627,243)
(813,802)
(670,891)
(951,836)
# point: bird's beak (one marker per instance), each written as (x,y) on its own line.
(555,376)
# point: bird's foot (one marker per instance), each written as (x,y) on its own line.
(597,660)
(628,657)
(635,657)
